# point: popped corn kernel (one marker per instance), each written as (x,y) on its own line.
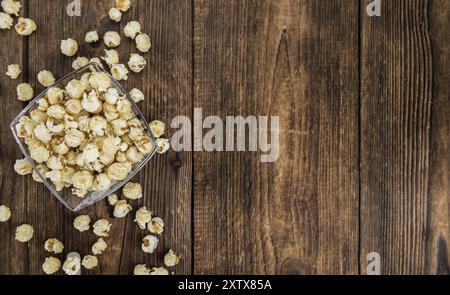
(24,233)
(6,21)
(91,37)
(69,47)
(25,92)
(144,144)
(163,145)
(91,103)
(102,228)
(38,116)
(54,245)
(111,145)
(118,171)
(99,247)
(43,169)
(159,271)
(102,182)
(23,167)
(11,7)
(171,258)
(123,5)
(81,223)
(133,155)
(149,244)
(90,153)
(100,81)
(25,26)
(156,225)
(75,88)
(80,62)
(143,43)
(137,63)
(112,39)
(73,106)
(89,261)
(56,111)
(72,265)
(120,127)
(82,180)
(119,72)
(46,78)
(111,57)
(42,133)
(81,193)
(121,209)
(51,265)
(141,270)
(112,96)
(5,213)
(13,71)
(54,95)
(74,138)
(137,95)
(39,152)
(132,191)
(115,14)
(131,29)
(113,199)
(98,125)
(158,128)
(54,163)
(143,216)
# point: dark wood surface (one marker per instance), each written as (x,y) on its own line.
(364,131)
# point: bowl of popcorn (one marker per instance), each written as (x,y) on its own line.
(84,137)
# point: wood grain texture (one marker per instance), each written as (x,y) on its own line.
(396,96)
(295,60)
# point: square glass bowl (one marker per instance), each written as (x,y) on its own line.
(71,201)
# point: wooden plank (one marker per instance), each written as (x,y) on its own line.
(396,99)
(295,60)
(438,213)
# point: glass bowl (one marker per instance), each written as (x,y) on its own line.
(71,201)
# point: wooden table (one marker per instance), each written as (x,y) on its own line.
(364,142)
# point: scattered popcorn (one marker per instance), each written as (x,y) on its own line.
(123,5)
(24,233)
(149,244)
(51,265)
(89,262)
(54,245)
(112,39)
(121,209)
(80,62)
(72,265)
(115,14)
(23,167)
(11,7)
(111,57)
(91,37)
(156,226)
(143,43)
(132,29)
(158,128)
(119,72)
(25,92)
(143,216)
(69,47)
(163,145)
(14,71)
(137,63)
(113,199)
(99,247)
(102,228)
(46,78)
(6,21)
(136,95)
(171,258)
(81,223)
(5,213)
(159,271)
(141,270)
(25,26)
(132,191)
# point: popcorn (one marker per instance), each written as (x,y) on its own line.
(111,57)
(38,116)
(120,127)
(25,26)
(100,81)
(69,47)
(132,191)
(24,233)
(54,245)
(14,71)
(99,247)
(74,138)
(113,199)
(132,29)
(75,89)
(51,265)
(91,37)
(54,96)
(123,5)
(98,125)
(42,168)
(81,223)
(118,171)
(143,43)
(171,258)
(80,62)
(144,144)
(159,271)
(111,145)
(90,153)
(137,63)
(11,7)
(39,152)
(158,128)
(149,244)
(23,167)
(136,95)
(24,92)
(73,106)
(133,155)
(141,270)
(72,265)
(5,213)
(102,228)
(89,261)
(56,111)
(102,182)
(115,14)
(156,226)
(91,103)
(42,133)
(121,209)
(82,180)
(163,145)
(119,72)
(112,39)
(6,21)
(46,78)
(143,216)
